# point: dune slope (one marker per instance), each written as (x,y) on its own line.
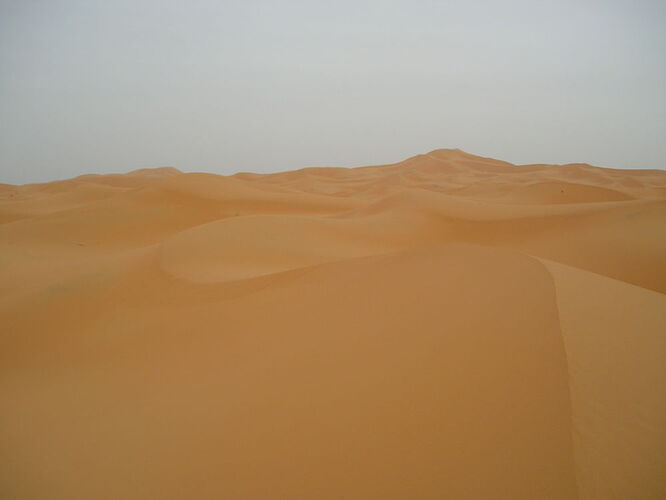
(449,326)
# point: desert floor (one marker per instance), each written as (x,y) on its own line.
(449,326)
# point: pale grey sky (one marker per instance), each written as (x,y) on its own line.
(95,86)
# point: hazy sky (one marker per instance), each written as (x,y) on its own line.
(256,85)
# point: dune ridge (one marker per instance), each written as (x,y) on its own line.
(446,326)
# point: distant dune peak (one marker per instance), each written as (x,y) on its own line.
(450,152)
(156,171)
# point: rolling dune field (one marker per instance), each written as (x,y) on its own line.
(449,326)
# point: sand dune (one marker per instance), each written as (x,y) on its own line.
(449,326)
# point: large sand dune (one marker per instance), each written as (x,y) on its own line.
(449,326)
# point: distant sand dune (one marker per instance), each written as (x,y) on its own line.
(449,326)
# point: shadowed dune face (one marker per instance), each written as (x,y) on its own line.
(449,326)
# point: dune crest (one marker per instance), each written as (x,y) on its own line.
(449,326)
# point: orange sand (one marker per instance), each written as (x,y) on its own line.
(449,326)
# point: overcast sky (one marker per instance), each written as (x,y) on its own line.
(90,86)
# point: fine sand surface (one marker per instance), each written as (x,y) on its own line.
(449,326)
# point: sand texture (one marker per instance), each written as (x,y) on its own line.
(449,326)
